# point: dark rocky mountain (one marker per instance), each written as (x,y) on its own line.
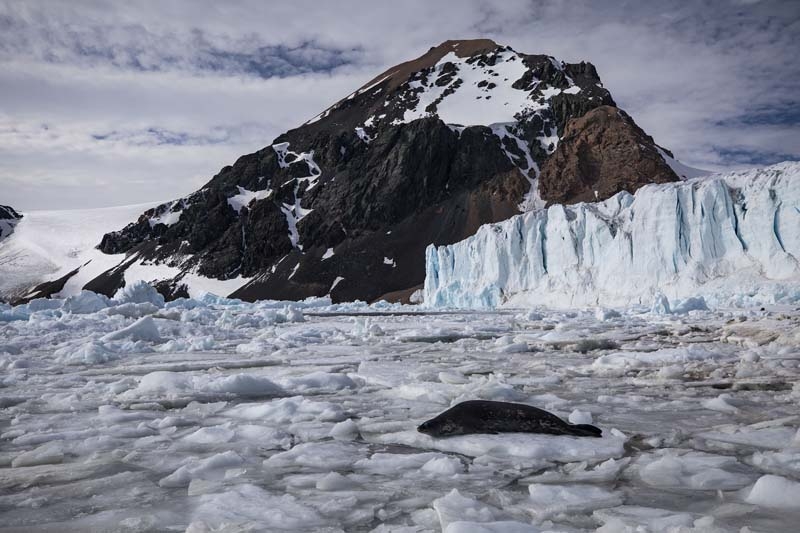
(600,154)
(423,154)
(8,219)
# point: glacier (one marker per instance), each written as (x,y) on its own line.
(732,238)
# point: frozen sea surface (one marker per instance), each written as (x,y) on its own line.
(211,415)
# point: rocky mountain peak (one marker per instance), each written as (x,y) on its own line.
(466,82)
(424,153)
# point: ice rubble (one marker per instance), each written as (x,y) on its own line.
(271,417)
(730,238)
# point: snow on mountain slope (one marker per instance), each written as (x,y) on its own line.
(48,245)
(467,93)
(681,169)
(729,237)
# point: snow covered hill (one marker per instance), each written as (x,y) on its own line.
(729,237)
(61,246)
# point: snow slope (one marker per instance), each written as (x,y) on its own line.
(47,245)
(682,170)
(732,238)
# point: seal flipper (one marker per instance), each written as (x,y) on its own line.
(585,430)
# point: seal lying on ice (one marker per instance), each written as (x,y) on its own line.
(482,416)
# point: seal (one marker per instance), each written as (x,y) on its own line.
(483,416)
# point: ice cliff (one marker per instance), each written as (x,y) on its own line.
(732,238)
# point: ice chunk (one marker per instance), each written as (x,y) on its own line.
(580,417)
(445,466)
(604,314)
(775,491)
(85,302)
(325,456)
(139,292)
(144,329)
(345,430)
(335,481)
(604,472)
(49,453)
(162,384)
(90,353)
(132,310)
(633,518)
(456,508)
(660,305)
(760,437)
(501,526)
(548,500)
(785,462)
(695,303)
(387,463)
(289,410)
(529,447)
(212,467)
(319,381)
(720,403)
(248,507)
(692,470)
(211,435)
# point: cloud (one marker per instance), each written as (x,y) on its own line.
(109,102)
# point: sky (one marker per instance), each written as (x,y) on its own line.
(110,103)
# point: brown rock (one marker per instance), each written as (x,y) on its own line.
(601,153)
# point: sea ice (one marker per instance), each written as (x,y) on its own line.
(313,427)
(548,499)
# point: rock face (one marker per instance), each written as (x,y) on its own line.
(600,154)
(8,219)
(346,204)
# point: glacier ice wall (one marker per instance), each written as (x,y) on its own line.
(733,238)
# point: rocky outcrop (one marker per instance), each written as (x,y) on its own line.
(600,154)
(8,219)
(346,204)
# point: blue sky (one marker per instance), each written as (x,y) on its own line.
(109,103)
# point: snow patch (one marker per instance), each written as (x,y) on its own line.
(245,198)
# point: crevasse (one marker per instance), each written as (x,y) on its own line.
(733,238)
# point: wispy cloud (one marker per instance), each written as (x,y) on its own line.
(107,102)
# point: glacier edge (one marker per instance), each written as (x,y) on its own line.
(732,238)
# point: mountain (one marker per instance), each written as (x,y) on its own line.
(730,238)
(8,219)
(426,152)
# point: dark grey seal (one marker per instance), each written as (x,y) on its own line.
(483,416)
